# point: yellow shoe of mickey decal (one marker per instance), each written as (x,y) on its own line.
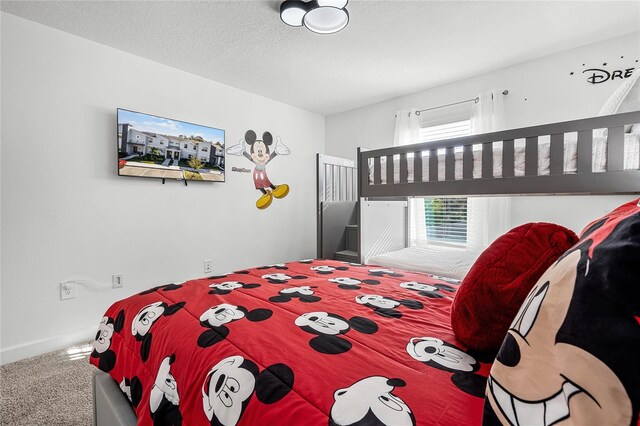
(281,191)
(264,201)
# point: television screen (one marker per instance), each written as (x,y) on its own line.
(157,147)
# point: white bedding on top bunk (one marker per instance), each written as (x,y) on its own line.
(631,158)
(453,263)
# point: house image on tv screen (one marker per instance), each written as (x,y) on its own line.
(150,146)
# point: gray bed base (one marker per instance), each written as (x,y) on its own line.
(615,180)
(110,405)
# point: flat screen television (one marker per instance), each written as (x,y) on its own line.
(163,148)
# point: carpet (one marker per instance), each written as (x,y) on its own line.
(50,389)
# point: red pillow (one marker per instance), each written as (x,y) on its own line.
(500,279)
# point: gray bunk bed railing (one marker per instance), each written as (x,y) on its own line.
(385,172)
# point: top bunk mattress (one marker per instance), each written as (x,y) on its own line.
(312,342)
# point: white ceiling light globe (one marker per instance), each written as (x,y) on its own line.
(326,20)
(338,4)
(292,13)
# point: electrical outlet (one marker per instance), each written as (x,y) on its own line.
(208,266)
(67,290)
(116,281)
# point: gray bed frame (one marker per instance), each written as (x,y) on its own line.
(342,186)
(615,180)
(110,406)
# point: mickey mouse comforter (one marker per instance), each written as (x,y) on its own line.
(313,342)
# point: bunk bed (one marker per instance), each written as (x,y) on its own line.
(337,342)
(598,155)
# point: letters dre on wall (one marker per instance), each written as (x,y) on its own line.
(607,72)
(597,75)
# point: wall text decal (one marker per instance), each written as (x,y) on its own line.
(240,170)
(618,69)
(598,75)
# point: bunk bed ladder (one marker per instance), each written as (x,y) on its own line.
(337,209)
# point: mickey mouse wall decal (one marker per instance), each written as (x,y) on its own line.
(328,327)
(229,385)
(260,155)
(228,286)
(146,317)
(164,399)
(370,401)
(385,306)
(444,356)
(215,318)
(102,343)
(303,294)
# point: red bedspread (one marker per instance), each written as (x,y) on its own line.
(313,342)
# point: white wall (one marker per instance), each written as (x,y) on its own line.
(67,215)
(551,94)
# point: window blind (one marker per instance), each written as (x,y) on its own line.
(445,131)
(445,219)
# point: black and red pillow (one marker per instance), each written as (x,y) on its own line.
(571,353)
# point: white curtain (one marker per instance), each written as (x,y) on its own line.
(407,127)
(487,217)
(407,132)
(487,115)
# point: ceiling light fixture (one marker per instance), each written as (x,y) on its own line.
(319,16)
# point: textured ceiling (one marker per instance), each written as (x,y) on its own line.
(390,48)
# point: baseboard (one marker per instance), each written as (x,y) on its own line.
(39,347)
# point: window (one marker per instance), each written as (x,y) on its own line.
(450,130)
(185,146)
(205,149)
(445,219)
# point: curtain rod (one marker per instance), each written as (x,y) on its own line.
(474,100)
